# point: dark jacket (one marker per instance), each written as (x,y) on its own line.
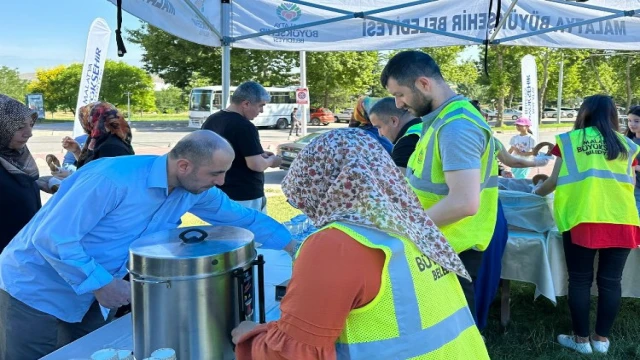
(19,202)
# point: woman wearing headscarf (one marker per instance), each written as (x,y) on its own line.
(109,134)
(377,281)
(360,119)
(20,181)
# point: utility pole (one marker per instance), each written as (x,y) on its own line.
(560,77)
(128,106)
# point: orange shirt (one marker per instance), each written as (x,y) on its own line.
(332,275)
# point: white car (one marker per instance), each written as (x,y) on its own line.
(564,113)
(512,114)
(344,115)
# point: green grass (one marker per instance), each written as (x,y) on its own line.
(69,117)
(534,325)
(277,207)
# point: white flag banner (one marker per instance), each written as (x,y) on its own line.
(94,58)
(530,108)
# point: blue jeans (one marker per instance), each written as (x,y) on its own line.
(636,193)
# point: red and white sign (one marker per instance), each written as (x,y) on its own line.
(302,96)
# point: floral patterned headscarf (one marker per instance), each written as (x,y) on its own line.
(340,176)
(361,111)
(99,119)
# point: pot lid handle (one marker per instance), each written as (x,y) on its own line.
(193,239)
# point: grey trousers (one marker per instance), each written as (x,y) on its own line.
(259,204)
(26,333)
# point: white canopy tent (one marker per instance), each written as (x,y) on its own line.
(335,25)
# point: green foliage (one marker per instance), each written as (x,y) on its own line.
(171,100)
(337,78)
(48,83)
(60,86)
(121,78)
(178,61)
(11,84)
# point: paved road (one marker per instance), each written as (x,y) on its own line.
(159,137)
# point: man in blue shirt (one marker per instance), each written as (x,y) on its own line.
(75,250)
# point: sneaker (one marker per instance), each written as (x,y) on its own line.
(569,341)
(600,346)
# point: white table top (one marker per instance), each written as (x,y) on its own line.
(119,333)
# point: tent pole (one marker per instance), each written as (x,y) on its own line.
(560,79)
(503,20)
(303,84)
(226,51)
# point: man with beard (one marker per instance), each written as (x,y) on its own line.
(453,170)
(71,257)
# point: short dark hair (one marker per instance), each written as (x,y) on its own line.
(386,108)
(406,66)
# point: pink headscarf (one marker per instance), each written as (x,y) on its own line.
(346,175)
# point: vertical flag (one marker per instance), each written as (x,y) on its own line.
(530,92)
(94,58)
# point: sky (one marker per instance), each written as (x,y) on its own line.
(43,33)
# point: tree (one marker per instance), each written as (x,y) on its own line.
(60,86)
(176,60)
(11,84)
(454,70)
(121,78)
(170,100)
(47,82)
(335,77)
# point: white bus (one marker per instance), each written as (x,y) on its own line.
(204,101)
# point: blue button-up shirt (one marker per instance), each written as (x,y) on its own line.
(79,241)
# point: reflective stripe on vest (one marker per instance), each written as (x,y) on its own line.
(426,184)
(426,177)
(575,175)
(415,129)
(590,188)
(411,340)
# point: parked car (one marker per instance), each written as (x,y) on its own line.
(289,151)
(569,112)
(321,116)
(513,114)
(564,113)
(344,115)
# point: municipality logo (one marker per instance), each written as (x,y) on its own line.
(289,12)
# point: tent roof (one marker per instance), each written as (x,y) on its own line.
(334,25)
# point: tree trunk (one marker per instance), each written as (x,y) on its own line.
(629,92)
(543,89)
(511,95)
(500,105)
(595,71)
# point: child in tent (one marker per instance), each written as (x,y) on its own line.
(522,145)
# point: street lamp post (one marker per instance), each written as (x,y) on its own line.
(128,106)
(560,77)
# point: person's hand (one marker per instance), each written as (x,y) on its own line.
(115,294)
(536,187)
(540,161)
(61,174)
(277,160)
(241,330)
(70,144)
(507,174)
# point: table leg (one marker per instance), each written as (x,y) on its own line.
(505,310)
